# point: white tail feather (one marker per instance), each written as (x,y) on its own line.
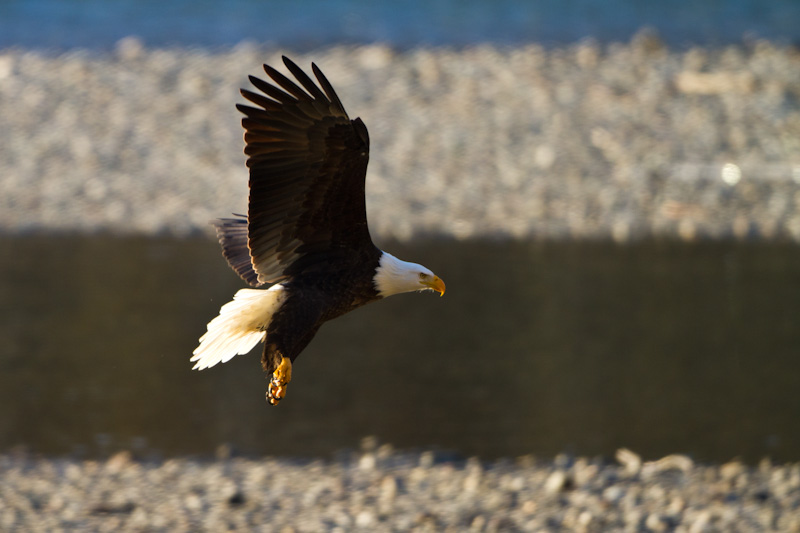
(240,325)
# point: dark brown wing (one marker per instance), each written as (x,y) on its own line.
(308,162)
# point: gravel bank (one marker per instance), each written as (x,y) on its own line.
(621,141)
(379,490)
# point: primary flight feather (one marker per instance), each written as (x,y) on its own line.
(306,230)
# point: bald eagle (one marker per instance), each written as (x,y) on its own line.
(305,234)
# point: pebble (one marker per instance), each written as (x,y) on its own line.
(400,492)
(621,141)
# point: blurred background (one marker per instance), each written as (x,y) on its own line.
(611,191)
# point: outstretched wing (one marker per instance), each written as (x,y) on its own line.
(308,162)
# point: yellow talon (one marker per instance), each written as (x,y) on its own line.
(280,380)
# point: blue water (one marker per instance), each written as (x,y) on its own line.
(305,24)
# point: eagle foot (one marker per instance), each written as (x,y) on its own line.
(280,381)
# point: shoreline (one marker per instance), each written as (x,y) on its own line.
(623,141)
(378,489)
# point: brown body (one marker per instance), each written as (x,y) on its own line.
(312,302)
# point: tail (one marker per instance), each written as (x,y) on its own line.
(241,324)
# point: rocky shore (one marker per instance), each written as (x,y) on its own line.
(618,141)
(382,490)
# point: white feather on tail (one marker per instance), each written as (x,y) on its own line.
(241,325)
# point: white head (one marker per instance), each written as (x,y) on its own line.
(394,276)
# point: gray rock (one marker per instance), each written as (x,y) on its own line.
(585,141)
(401,492)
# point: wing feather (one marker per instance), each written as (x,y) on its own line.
(285,83)
(272,91)
(306,82)
(327,87)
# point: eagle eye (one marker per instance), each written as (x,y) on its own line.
(423,275)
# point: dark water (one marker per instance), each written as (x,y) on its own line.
(535,348)
(304,24)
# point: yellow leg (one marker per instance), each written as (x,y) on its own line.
(280,380)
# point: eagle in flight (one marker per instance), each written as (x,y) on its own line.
(305,234)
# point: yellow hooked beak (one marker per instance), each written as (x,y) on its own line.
(435,284)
